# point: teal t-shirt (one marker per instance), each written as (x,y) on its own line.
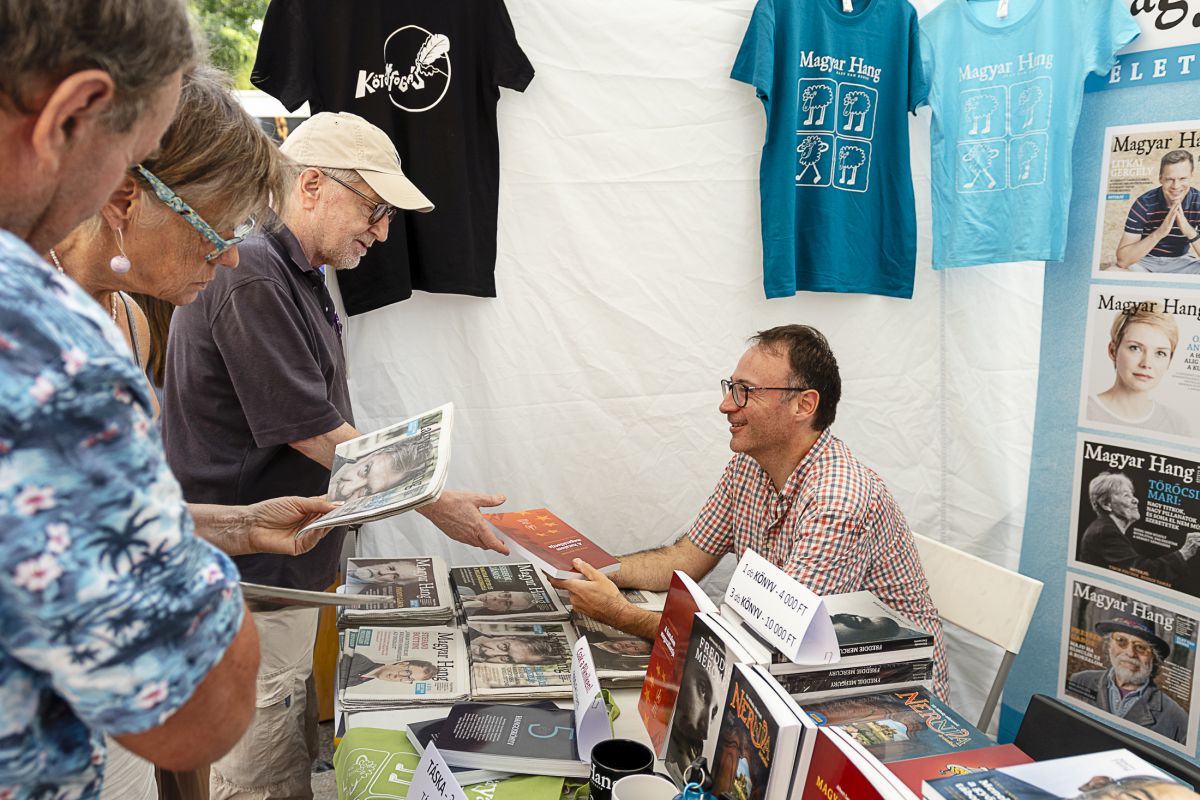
(1006,95)
(837,196)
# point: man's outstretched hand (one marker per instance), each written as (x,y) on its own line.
(457,515)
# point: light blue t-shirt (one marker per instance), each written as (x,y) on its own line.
(114,611)
(837,196)
(1006,95)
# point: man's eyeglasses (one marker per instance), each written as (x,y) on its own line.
(378,208)
(1127,643)
(741,392)
(180,207)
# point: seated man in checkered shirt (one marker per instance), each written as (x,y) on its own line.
(792,491)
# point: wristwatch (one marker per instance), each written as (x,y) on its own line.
(1195,238)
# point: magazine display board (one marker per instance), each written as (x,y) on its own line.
(1113,497)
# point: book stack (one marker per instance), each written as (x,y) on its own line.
(880,649)
(384,668)
(532,739)
(506,592)
(411,591)
(520,660)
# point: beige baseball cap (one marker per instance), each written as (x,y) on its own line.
(347,141)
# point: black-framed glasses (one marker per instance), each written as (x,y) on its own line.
(379,209)
(177,204)
(741,392)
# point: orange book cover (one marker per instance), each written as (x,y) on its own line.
(550,543)
(660,689)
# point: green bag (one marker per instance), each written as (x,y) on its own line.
(378,764)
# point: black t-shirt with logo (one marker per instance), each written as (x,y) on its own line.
(428,72)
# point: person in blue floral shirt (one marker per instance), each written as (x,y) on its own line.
(118,619)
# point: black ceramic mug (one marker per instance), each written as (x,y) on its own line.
(613,759)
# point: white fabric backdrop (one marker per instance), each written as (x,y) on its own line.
(629,276)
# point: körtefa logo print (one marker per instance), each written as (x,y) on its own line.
(416,69)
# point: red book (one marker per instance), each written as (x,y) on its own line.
(537,535)
(839,771)
(915,770)
(661,686)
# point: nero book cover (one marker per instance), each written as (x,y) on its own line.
(746,750)
(667,655)
(548,542)
(900,724)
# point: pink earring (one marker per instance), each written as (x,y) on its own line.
(120,264)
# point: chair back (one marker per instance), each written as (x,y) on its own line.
(992,602)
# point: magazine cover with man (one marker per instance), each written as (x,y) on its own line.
(1141,363)
(516,659)
(391,666)
(392,470)
(506,592)
(1149,206)
(1129,660)
(621,658)
(1136,512)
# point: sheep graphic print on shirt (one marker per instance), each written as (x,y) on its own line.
(837,197)
(1006,95)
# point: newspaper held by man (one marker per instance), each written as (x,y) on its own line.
(393,470)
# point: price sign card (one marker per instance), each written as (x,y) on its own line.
(591,717)
(783,611)
(433,779)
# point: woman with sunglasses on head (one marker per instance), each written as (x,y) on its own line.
(147,239)
(175,219)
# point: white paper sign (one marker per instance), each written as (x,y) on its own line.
(783,611)
(433,779)
(591,717)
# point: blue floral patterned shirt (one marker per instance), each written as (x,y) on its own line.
(111,610)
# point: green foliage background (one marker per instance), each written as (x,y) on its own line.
(232,38)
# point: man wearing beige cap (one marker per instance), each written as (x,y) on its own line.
(256,400)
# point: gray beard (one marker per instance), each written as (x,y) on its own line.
(1125,677)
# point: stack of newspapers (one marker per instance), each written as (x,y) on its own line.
(516,660)
(411,591)
(385,668)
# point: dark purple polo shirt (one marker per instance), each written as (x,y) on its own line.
(253,364)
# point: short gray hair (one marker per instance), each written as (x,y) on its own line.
(139,43)
(1101,489)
